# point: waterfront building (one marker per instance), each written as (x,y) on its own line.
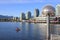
(36,13)
(28,15)
(44,18)
(48,9)
(22,16)
(58,10)
(15,19)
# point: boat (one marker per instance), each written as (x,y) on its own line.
(17,29)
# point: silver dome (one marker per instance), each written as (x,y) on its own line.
(48,9)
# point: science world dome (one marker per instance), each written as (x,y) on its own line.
(48,9)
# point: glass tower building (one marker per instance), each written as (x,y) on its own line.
(22,16)
(28,15)
(58,10)
(36,13)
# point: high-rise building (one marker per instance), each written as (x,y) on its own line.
(58,10)
(22,16)
(36,13)
(28,15)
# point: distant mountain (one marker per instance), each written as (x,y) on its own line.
(1,16)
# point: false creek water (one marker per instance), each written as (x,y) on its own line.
(28,31)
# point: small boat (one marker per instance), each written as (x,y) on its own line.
(17,29)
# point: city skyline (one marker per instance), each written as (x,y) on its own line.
(15,7)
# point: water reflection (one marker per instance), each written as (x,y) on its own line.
(38,31)
(28,31)
(31,31)
(42,31)
(55,29)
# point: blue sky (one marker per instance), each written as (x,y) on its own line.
(15,7)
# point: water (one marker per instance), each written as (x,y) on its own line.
(28,31)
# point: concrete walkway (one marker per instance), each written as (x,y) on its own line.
(55,37)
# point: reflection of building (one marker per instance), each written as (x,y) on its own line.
(36,13)
(22,16)
(48,9)
(28,15)
(58,10)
